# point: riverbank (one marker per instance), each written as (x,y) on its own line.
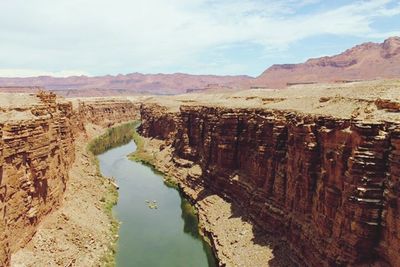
(157,224)
(82,232)
(221,223)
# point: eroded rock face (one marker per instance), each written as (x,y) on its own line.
(328,186)
(106,112)
(389,245)
(36,153)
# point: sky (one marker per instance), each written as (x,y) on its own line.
(222,37)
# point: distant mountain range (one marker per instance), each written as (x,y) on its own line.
(135,83)
(363,62)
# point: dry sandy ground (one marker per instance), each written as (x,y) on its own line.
(234,237)
(16,107)
(79,232)
(348,101)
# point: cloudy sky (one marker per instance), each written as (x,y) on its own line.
(98,37)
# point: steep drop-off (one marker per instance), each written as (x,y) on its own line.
(37,150)
(327,185)
(105,112)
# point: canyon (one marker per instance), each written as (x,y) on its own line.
(306,176)
(37,151)
(316,168)
(200,133)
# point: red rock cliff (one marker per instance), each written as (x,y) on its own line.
(106,112)
(37,149)
(328,186)
(37,134)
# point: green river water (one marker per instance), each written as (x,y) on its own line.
(165,237)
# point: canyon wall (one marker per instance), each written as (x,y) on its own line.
(36,152)
(327,186)
(37,134)
(106,112)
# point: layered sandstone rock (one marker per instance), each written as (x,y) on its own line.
(327,185)
(37,149)
(389,245)
(106,112)
(37,134)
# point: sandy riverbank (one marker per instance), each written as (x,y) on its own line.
(81,232)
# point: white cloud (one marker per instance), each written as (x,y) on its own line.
(102,36)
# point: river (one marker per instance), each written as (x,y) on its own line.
(166,236)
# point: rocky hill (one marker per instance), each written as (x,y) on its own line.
(367,61)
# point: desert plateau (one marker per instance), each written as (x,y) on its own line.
(216,150)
